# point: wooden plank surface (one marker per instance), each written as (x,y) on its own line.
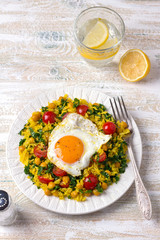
(38,52)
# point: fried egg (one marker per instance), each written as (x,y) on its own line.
(73,142)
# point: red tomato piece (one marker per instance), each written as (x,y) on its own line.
(49,117)
(82,109)
(40,151)
(109,128)
(59,172)
(45,180)
(102,158)
(90,182)
(65,115)
(64,185)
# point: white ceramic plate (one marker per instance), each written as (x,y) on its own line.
(67,206)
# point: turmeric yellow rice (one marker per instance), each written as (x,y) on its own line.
(38,167)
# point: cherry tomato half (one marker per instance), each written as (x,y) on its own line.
(64,185)
(65,115)
(59,172)
(90,182)
(102,158)
(40,151)
(109,128)
(45,180)
(82,109)
(49,117)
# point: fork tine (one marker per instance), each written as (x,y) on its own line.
(119,117)
(124,116)
(124,107)
(114,114)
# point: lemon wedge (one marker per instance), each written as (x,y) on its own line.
(134,65)
(97,36)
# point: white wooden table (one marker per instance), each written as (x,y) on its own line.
(37,52)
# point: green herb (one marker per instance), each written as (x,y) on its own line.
(69,197)
(88,191)
(38,136)
(22,141)
(99,188)
(80,190)
(41,122)
(40,169)
(20,133)
(54,176)
(76,102)
(73,181)
(105,174)
(56,187)
(32,157)
(27,171)
(49,168)
(44,109)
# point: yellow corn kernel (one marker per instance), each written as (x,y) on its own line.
(74,194)
(104,185)
(37,161)
(95,192)
(51,185)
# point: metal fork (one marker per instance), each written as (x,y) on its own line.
(120,113)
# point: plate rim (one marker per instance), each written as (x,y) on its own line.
(46,207)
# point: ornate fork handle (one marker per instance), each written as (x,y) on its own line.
(142,195)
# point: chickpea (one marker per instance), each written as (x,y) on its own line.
(65,179)
(31,140)
(55,193)
(60,98)
(74,194)
(51,185)
(79,186)
(87,194)
(97,104)
(104,186)
(95,192)
(37,161)
(124,124)
(36,116)
(117,165)
(51,105)
(21,148)
(44,165)
(47,192)
(104,147)
(109,172)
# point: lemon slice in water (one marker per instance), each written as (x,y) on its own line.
(97,36)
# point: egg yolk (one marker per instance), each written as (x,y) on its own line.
(69,149)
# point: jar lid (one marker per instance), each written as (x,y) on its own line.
(4,200)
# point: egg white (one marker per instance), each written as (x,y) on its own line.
(84,129)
